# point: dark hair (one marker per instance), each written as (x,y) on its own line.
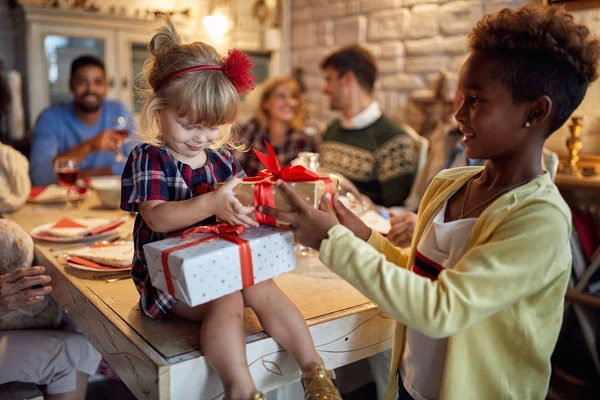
(540,51)
(85,61)
(355,59)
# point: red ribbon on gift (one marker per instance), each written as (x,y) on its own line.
(263,183)
(227,232)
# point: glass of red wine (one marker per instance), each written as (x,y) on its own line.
(123,125)
(67,172)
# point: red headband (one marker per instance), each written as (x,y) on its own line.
(236,67)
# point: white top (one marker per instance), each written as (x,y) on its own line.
(442,245)
(366,117)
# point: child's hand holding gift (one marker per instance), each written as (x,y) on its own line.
(228,208)
(311,225)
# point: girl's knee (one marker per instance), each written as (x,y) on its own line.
(263,291)
(267,286)
(231,302)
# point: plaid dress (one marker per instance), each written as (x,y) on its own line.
(151,173)
(254,138)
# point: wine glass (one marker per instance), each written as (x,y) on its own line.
(67,172)
(123,125)
(310,161)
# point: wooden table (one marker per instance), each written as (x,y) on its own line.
(163,360)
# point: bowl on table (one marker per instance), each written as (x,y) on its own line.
(108,189)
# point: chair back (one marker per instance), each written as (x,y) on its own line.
(421,145)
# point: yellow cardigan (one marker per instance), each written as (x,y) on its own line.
(500,307)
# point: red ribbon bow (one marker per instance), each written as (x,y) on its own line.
(263,183)
(227,232)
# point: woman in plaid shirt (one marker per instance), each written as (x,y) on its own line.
(192,97)
(279,121)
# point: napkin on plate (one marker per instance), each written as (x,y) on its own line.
(87,263)
(116,255)
(52,193)
(81,227)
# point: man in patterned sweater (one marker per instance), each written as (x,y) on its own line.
(364,145)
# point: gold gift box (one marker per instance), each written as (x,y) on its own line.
(310,191)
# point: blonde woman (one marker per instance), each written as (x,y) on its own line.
(279,121)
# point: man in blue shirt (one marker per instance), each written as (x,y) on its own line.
(82,129)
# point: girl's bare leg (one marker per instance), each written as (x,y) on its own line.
(282,320)
(223,342)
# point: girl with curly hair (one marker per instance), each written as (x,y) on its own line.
(478,300)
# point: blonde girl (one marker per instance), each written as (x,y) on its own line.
(191,99)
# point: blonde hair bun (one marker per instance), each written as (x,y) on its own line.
(166,37)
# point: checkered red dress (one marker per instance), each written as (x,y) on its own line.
(151,173)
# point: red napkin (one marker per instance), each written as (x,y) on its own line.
(105,228)
(35,191)
(44,235)
(67,223)
(91,264)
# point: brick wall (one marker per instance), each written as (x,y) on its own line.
(412,40)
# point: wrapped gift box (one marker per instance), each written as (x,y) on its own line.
(206,271)
(309,185)
(311,192)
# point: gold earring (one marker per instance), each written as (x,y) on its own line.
(527,124)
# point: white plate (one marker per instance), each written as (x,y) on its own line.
(85,268)
(115,255)
(58,198)
(37,233)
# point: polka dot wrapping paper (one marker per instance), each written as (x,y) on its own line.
(207,271)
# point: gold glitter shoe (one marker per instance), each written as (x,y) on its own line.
(318,385)
(259,396)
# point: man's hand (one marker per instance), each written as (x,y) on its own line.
(107,140)
(403,228)
(309,225)
(16,288)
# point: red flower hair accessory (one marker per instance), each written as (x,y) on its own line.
(236,67)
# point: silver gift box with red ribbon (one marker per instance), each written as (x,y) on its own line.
(206,263)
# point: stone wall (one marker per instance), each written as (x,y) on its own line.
(412,41)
